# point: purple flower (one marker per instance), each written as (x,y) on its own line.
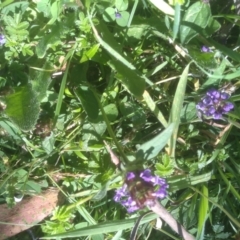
(214,104)
(2,39)
(118,15)
(205,49)
(140,189)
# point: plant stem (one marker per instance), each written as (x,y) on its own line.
(168,218)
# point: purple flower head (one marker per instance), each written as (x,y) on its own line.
(214,104)
(205,49)
(140,189)
(118,15)
(2,39)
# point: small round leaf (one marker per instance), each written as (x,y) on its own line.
(109,14)
(124,19)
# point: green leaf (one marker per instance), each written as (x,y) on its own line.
(152,148)
(177,18)
(41,81)
(111,111)
(188,112)
(133,112)
(199,14)
(176,108)
(212,27)
(48,143)
(121,5)
(203,212)
(23,107)
(88,101)
(109,14)
(14,7)
(44,7)
(123,20)
(90,53)
(165,168)
(104,227)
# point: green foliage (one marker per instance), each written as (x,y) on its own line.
(166,167)
(22,107)
(197,14)
(60,221)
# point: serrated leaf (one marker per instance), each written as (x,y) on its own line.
(15,7)
(199,14)
(22,25)
(23,107)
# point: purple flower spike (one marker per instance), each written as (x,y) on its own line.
(2,39)
(141,189)
(214,104)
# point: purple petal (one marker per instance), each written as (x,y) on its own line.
(205,49)
(207,100)
(121,192)
(224,96)
(228,106)
(130,175)
(118,15)
(146,175)
(2,39)
(217,115)
(160,193)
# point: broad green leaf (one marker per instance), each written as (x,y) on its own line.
(48,143)
(212,27)
(121,5)
(12,130)
(41,80)
(88,55)
(88,101)
(188,112)
(23,107)
(177,18)
(176,108)
(152,148)
(111,111)
(32,187)
(123,20)
(55,11)
(203,59)
(130,78)
(13,7)
(109,14)
(199,14)
(44,6)
(133,112)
